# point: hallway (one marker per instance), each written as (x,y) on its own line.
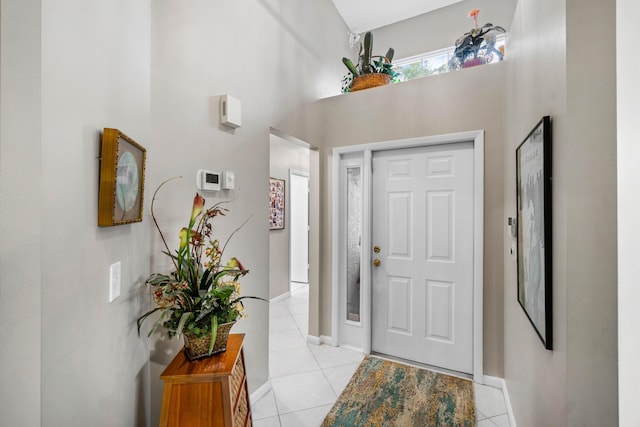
(307,379)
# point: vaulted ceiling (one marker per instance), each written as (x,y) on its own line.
(365,15)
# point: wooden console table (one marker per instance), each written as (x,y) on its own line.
(208,392)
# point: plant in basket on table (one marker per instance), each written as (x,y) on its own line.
(200,299)
(370,71)
(477,46)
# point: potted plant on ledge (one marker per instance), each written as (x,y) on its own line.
(477,46)
(371,70)
(200,299)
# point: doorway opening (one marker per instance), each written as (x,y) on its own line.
(294,245)
(299,234)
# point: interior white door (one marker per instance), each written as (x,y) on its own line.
(422,300)
(299,247)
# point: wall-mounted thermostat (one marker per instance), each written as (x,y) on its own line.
(228,180)
(208,180)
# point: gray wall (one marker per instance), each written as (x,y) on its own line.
(71,68)
(454,102)
(284,155)
(536,85)
(628,94)
(268,55)
(440,29)
(20,212)
(550,71)
(68,71)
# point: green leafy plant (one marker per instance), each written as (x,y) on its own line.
(368,63)
(201,292)
(480,42)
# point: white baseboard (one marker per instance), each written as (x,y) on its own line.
(313,340)
(328,340)
(502,385)
(348,347)
(494,382)
(260,392)
(281,297)
(322,339)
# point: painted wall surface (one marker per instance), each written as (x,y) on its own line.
(536,86)
(71,68)
(20,212)
(95,74)
(284,155)
(592,216)
(267,54)
(440,29)
(628,108)
(549,72)
(448,103)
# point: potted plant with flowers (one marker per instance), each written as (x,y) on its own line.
(477,46)
(200,299)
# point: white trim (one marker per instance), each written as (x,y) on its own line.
(281,297)
(260,392)
(500,383)
(328,340)
(365,271)
(335,235)
(478,254)
(299,173)
(291,138)
(352,348)
(477,137)
(322,339)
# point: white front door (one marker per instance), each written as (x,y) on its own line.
(422,220)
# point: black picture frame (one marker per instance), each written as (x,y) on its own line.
(276,203)
(534,240)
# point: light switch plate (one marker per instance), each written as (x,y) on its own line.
(228,180)
(115,273)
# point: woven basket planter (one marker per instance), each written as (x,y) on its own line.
(366,81)
(197,347)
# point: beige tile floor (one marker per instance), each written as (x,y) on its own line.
(307,379)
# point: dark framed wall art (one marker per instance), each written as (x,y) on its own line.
(122,168)
(533,198)
(276,203)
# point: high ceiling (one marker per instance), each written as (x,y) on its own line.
(365,15)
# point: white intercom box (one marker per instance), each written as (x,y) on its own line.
(230,111)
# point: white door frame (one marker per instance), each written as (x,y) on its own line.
(477,138)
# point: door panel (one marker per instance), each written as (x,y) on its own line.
(299,256)
(399,294)
(422,289)
(400,223)
(439,306)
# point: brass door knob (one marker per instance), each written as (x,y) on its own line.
(376,263)
(376,249)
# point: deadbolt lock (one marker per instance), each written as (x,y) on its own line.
(376,249)
(376,263)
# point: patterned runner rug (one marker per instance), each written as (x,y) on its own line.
(383,393)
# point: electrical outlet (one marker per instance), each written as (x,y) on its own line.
(115,273)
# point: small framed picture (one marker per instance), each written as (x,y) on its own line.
(276,203)
(122,168)
(533,198)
